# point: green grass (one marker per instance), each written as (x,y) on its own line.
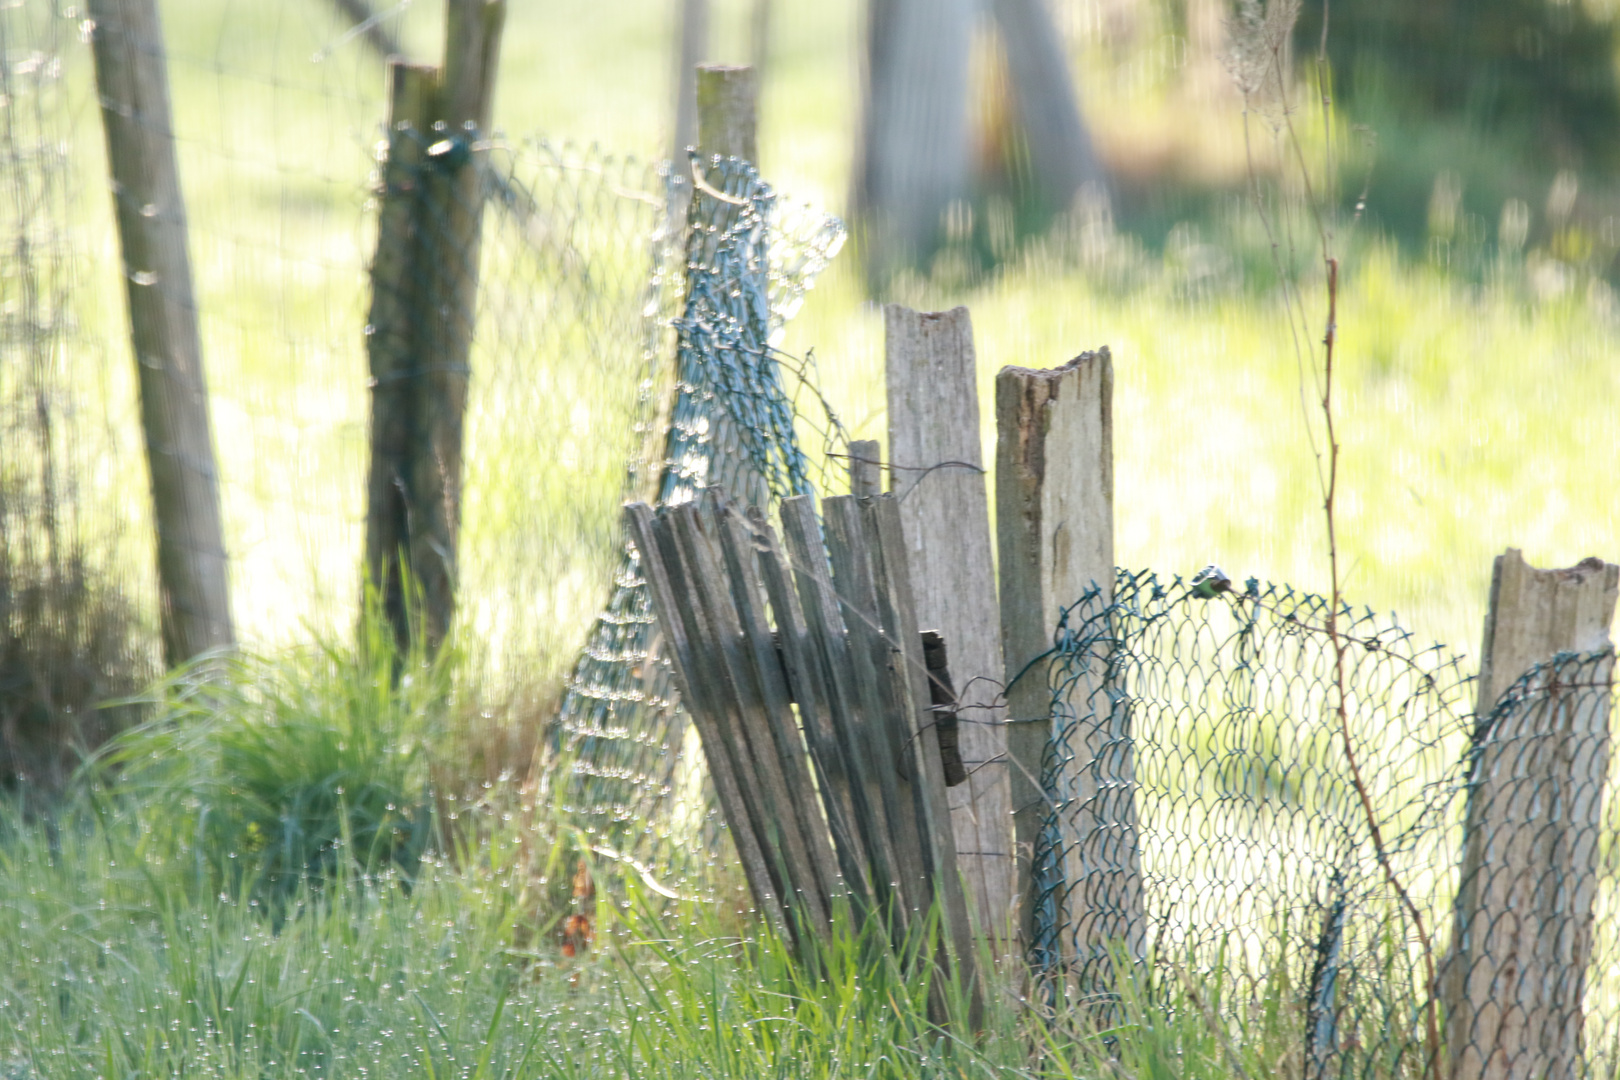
(121,958)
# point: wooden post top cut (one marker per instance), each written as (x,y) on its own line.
(1535,614)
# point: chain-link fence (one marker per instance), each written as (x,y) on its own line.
(1213,813)
(1530,981)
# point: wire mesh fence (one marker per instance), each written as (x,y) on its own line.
(69,637)
(278,131)
(739,414)
(1370,872)
(1530,981)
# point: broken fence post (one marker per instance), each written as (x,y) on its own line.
(1055,533)
(1514,979)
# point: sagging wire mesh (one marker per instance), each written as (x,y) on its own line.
(732,411)
(1203,815)
(576,292)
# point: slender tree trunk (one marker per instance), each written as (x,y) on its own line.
(1061,156)
(914,156)
(691,42)
(759,34)
(133,83)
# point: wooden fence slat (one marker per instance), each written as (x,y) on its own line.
(849,554)
(731,678)
(782,762)
(913,720)
(812,694)
(802,535)
(934,425)
(1514,983)
(667,580)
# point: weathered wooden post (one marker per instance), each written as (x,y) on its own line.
(1055,535)
(132,81)
(933,400)
(728,111)
(424,298)
(865,475)
(1515,977)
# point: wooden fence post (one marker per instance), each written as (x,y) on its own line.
(728,112)
(391,334)
(132,81)
(933,400)
(1055,534)
(424,299)
(1522,933)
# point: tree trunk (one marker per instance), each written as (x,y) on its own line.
(691,43)
(913,158)
(1061,156)
(133,83)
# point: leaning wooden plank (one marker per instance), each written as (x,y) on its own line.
(802,535)
(1514,985)
(847,549)
(783,765)
(811,693)
(914,718)
(934,427)
(732,682)
(666,579)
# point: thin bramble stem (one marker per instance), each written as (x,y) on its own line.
(1329,479)
(1340,645)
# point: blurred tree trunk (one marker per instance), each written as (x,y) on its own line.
(132,81)
(759,34)
(1062,159)
(691,42)
(914,154)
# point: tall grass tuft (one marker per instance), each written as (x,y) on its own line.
(278,773)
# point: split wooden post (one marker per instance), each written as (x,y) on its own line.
(132,81)
(865,475)
(1514,980)
(1055,536)
(424,298)
(933,399)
